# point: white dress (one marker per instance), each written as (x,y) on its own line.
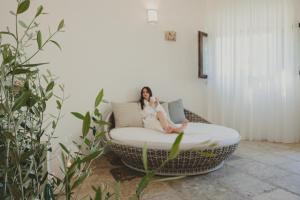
(150,116)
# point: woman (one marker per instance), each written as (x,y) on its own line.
(154,116)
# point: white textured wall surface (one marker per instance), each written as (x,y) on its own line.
(109,44)
(297,10)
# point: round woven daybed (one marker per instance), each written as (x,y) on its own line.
(204,147)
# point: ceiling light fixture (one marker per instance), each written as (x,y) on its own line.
(152,16)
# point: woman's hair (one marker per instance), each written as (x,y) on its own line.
(142,99)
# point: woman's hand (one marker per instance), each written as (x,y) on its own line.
(152,101)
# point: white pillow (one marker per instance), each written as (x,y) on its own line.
(127,115)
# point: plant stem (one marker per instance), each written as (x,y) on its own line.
(28,27)
(39,48)
(7,155)
(12,113)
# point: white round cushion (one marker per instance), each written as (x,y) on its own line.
(196,136)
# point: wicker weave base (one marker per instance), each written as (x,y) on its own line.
(164,173)
(189,162)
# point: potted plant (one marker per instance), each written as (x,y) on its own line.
(26,130)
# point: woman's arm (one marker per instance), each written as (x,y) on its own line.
(153,102)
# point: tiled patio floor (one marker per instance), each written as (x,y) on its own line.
(257,171)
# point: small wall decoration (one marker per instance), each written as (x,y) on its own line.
(170,36)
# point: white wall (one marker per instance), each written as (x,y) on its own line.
(297,10)
(108,44)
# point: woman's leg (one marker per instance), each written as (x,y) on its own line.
(167,126)
(163,120)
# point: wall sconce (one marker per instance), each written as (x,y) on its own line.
(152,15)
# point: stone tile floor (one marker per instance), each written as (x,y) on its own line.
(256,171)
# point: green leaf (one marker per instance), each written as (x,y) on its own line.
(8,33)
(21,101)
(22,7)
(62,87)
(39,11)
(61,25)
(63,159)
(73,165)
(214,144)
(117,190)
(169,179)
(64,148)
(91,156)
(87,141)
(58,104)
(53,124)
(22,71)
(22,24)
(48,191)
(7,54)
(32,100)
(207,154)
(26,155)
(97,112)
(3,108)
(98,194)
(145,159)
(56,43)
(39,39)
(50,86)
(101,122)
(11,12)
(78,115)
(175,147)
(45,78)
(86,124)
(144,183)
(79,181)
(44,177)
(100,135)
(32,65)
(99,98)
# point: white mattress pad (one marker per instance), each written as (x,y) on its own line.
(196,136)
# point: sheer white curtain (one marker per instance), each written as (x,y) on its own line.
(253,64)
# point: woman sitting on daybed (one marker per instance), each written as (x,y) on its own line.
(154,116)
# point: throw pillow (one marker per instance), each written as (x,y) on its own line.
(127,115)
(176,111)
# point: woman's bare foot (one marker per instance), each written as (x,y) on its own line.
(168,129)
(178,130)
(181,128)
(171,129)
(184,124)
